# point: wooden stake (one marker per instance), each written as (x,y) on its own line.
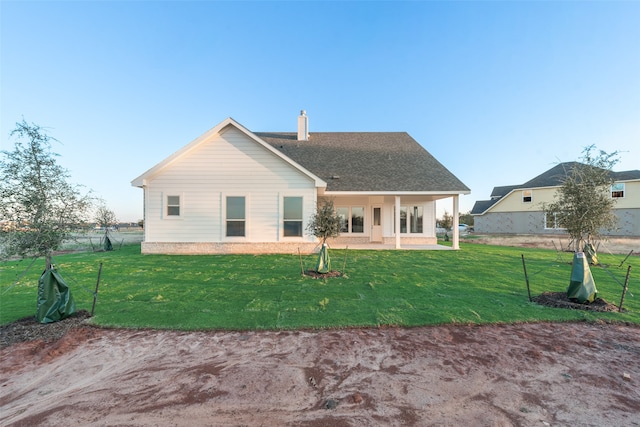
(344,264)
(624,290)
(301,266)
(526,278)
(95,294)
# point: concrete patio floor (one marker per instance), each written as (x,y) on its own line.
(391,247)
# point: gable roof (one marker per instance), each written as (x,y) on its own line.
(368,162)
(140,181)
(352,162)
(554,177)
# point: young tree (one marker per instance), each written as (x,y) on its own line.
(105,219)
(447,221)
(466,218)
(583,204)
(324,223)
(39,208)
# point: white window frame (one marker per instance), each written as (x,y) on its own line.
(364,220)
(555,221)
(527,194)
(350,219)
(615,188)
(410,215)
(347,219)
(409,211)
(247,223)
(282,219)
(165,205)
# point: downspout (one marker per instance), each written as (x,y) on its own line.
(397,222)
(456,222)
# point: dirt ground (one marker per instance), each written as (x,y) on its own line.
(501,375)
(544,374)
(608,245)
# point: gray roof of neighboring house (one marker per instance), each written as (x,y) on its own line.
(626,175)
(482,205)
(499,192)
(551,178)
(367,161)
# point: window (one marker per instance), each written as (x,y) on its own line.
(551,221)
(351,219)
(293,216)
(236,218)
(416,219)
(617,190)
(357,220)
(527,196)
(173,206)
(411,219)
(343,214)
(403,219)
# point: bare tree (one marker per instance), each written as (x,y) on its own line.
(583,204)
(105,217)
(39,208)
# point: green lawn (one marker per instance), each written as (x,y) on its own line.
(478,284)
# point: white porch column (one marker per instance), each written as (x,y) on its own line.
(397,222)
(456,222)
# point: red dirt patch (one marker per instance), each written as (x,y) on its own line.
(524,374)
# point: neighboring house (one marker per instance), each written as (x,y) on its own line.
(518,209)
(236,191)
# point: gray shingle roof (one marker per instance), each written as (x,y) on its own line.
(626,175)
(367,161)
(502,191)
(482,205)
(551,178)
(556,175)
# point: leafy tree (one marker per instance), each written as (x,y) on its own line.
(324,223)
(39,208)
(447,221)
(583,204)
(466,218)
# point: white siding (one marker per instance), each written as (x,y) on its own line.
(229,164)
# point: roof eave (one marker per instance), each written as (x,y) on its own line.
(396,193)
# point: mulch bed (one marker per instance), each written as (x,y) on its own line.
(315,275)
(560,300)
(28,329)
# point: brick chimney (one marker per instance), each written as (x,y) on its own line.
(303,126)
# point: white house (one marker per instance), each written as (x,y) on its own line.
(236,191)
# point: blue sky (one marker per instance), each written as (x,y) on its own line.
(497,91)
